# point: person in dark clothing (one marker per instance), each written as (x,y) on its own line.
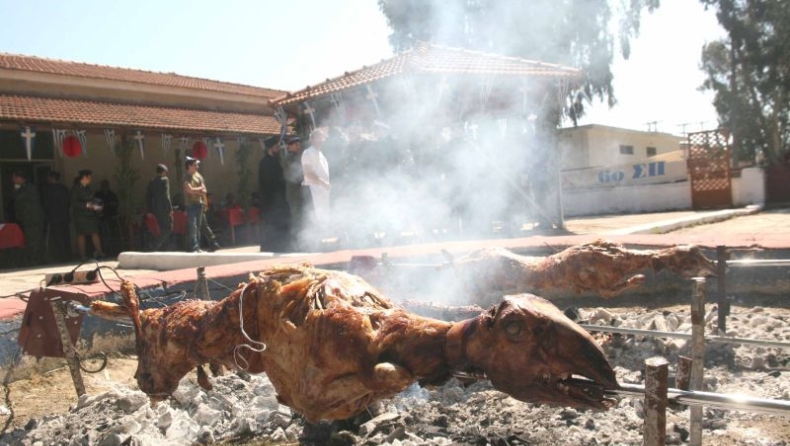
(108,217)
(85,213)
(30,216)
(56,212)
(296,194)
(108,199)
(274,208)
(157,200)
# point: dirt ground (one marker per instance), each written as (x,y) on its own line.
(53,392)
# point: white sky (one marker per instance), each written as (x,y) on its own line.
(659,81)
(288,45)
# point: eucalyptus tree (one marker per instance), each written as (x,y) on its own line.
(749,72)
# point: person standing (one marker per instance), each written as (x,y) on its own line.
(316,176)
(108,217)
(85,213)
(195,201)
(157,200)
(274,207)
(56,213)
(296,194)
(30,216)
(205,228)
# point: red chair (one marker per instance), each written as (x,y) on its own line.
(179,223)
(254,219)
(234,217)
(11,236)
(151,224)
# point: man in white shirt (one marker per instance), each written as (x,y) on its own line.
(316,175)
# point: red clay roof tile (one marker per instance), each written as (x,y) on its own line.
(26,109)
(79,69)
(430,58)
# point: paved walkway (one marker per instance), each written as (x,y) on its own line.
(741,228)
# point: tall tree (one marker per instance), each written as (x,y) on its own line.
(570,32)
(749,72)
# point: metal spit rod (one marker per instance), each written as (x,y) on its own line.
(746,263)
(709,399)
(672,334)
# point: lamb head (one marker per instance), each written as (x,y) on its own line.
(531,351)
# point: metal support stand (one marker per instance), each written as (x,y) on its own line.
(697,355)
(73,359)
(683,374)
(721,293)
(656,374)
(201,286)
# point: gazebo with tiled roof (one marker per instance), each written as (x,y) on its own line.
(431,72)
(433,89)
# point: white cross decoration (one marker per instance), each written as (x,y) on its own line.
(220,150)
(562,93)
(337,101)
(524,89)
(57,140)
(282,118)
(183,142)
(207,143)
(309,111)
(371,96)
(29,135)
(109,136)
(166,141)
(83,137)
(442,87)
(485,91)
(140,138)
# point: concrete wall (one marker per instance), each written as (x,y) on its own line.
(638,198)
(650,172)
(627,199)
(749,188)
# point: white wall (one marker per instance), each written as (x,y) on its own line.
(632,199)
(746,190)
(650,172)
(749,188)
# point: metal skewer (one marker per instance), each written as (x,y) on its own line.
(709,399)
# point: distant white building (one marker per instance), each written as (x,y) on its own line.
(602,156)
(613,170)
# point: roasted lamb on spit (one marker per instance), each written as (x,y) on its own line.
(331,344)
(600,267)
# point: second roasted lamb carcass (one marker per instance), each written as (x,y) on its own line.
(331,344)
(602,267)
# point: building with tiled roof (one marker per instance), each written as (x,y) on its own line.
(26,67)
(55,99)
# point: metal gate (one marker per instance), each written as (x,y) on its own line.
(709,168)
